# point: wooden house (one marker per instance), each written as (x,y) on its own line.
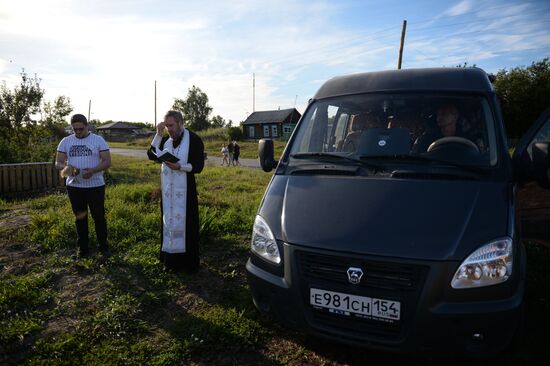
(277,124)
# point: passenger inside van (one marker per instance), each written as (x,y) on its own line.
(359,123)
(408,119)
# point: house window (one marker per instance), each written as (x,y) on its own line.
(287,130)
(274,131)
(266,131)
(250,131)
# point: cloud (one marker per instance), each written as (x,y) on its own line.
(460,8)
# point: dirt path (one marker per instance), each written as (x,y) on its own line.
(212,160)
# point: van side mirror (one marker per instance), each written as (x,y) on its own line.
(266,154)
(541,163)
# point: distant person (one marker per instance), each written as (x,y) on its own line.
(231,152)
(82,157)
(236,153)
(179,203)
(225,155)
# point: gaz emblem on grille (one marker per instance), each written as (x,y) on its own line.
(354,275)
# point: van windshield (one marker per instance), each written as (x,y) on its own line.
(456,129)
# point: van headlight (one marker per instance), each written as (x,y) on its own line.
(489,265)
(263,241)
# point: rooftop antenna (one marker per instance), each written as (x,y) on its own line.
(253,92)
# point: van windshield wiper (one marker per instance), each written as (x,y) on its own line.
(469,168)
(332,157)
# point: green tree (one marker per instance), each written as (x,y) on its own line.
(18,106)
(523,93)
(55,113)
(195,109)
(22,137)
(217,121)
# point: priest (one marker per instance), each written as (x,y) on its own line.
(179,203)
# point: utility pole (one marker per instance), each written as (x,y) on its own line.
(89,109)
(402,44)
(253,92)
(155,104)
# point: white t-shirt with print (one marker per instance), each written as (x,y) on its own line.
(83,153)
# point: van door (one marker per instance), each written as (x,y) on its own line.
(532,170)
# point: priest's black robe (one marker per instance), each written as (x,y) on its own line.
(188,261)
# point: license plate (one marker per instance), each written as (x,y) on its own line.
(347,304)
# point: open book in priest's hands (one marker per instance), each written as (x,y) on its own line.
(165,155)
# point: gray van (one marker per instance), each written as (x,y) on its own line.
(391,220)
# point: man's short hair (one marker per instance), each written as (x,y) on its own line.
(177,116)
(79,118)
(448,109)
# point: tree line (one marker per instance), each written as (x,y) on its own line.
(523,93)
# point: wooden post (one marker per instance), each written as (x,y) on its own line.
(402,45)
(49,177)
(42,176)
(5,179)
(11,173)
(26,170)
(19,178)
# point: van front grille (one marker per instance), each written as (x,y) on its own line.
(380,275)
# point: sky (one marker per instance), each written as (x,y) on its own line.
(111,52)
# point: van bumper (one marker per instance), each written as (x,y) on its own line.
(437,321)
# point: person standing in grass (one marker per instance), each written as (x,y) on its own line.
(225,154)
(179,203)
(82,157)
(236,153)
(231,152)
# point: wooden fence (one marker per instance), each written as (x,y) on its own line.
(18,179)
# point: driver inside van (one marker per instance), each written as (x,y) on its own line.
(447,123)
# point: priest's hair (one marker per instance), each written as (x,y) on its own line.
(177,116)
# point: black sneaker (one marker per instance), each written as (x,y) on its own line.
(105,252)
(82,253)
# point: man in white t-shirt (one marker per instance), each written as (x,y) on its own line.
(82,157)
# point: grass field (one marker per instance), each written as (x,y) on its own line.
(57,310)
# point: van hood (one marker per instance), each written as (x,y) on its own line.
(407,218)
